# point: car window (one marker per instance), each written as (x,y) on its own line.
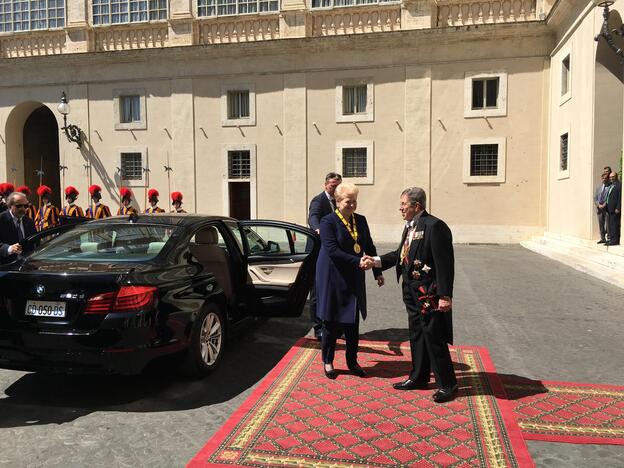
(105,243)
(233,227)
(271,240)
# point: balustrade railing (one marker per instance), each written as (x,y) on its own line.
(239,29)
(131,37)
(31,44)
(469,12)
(341,21)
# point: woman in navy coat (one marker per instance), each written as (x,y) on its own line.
(341,290)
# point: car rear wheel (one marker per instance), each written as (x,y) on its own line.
(207,343)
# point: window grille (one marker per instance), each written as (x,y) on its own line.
(131,166)
(484,160)
(239,165)
(130,109)
(235,7)
(563,152)
(342,3)
(30,15)
(238,104)
(354,162)
(485,93)
(565,75)
(354,99)
(128,11)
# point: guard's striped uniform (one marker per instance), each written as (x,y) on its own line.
(154,209)
(98,211)
(73,211)
(126,210)
(47,217)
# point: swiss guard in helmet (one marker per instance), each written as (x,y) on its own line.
(31,211)
(97,210)
(152,197)
(126,202)
(71,209)
(176,200)
(6,189)
(48,214)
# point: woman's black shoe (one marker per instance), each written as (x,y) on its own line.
(330,374)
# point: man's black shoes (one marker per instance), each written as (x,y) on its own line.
(330,374)
(410,384)
(357,370)
(601,241)
(445,394)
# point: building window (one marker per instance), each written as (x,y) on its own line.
(128,11)
(484,160)
(239,165)
(342,3)
(21,15)
(130,109)
(238,104)
(565,76)
(485,94)
(131,166)
(355,161)
(354,100)
(235,7)
(563,153)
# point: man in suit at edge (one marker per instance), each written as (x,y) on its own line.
(321,205)
(14,227)
(614,208)
(425,262)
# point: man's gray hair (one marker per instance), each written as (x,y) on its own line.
(416,194)
(11,198)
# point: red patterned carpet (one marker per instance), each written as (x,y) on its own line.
(298,417)
(567,412)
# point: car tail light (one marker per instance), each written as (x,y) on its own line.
(127,299)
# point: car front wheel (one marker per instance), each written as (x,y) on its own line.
(206,344)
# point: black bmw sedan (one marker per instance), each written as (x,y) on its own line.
(111,295)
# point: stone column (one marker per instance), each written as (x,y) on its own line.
(79,36)
(293,19)
(181,23)
(295,149)
(417,158)
(182,154)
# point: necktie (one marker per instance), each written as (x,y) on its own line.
(20,232)
(603,194)
(332,201)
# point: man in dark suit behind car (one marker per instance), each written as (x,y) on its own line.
(14,227)
(321,205)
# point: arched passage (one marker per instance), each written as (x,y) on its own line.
(608,109)
(32,144)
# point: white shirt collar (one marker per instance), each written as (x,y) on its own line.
(414,221)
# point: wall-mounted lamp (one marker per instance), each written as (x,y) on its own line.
(72,132)
(604,30)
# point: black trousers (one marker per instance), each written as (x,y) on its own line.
(427,344)
(603,224)
(614,226)
(316,322)
(331,333)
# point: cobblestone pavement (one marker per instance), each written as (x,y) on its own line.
(538,318)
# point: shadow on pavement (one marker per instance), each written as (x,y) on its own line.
(38,398)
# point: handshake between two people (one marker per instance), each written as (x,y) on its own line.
(366,263)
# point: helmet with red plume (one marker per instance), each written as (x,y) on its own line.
(23,189)
(125,192)
(71,191)
(153,194)
(93,189)
(176,197)
(44,191)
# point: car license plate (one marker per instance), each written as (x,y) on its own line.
(45,309)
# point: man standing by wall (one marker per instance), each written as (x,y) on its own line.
(614,208)
(321,205)
(600,200)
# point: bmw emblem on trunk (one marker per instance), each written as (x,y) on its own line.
(40,290)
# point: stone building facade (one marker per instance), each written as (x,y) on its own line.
(250,104)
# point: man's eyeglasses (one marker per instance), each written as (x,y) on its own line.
(21,205)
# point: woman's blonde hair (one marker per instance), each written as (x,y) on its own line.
(346,188)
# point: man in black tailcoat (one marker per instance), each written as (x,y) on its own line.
(14,227)
(614,208)
(424,261)
(321,205)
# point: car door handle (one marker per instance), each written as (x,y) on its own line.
(267,270)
